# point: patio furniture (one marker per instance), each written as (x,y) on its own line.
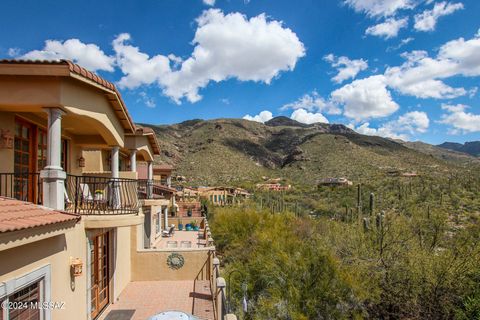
(173,315)
(170,231)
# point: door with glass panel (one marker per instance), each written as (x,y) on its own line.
(24,163)
(99,277)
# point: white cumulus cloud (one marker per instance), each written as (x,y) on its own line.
(380,8)
(365,98)
(303,116)
(402,128)
(461,120)
(209,2)
(421,76)
(89,55)
(347,69)
(313,102)
(262,117)
(427,20)
(388,29)
(226,46)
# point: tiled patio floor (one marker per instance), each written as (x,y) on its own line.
(142,299)
(192,237)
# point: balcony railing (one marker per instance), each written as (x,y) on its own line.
(101,195)
(22,186)
(153,189)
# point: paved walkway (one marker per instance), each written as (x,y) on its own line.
(142,299)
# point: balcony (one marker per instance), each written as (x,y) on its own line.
(22,186)
(154,189)
(87,195)
(84,195)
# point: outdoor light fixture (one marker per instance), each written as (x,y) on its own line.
(81,162)
(6,139)
(76,266)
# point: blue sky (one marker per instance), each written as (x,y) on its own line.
(398,68)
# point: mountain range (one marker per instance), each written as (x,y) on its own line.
(471,147)
(237,151)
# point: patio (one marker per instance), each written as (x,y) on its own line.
(143,299)
(181,239)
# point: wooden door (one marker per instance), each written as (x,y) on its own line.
(99,255)
(24,161)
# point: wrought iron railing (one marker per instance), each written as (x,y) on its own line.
(101,195)
(149,189)
(25,186)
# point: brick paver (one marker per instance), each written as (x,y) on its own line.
(148,298)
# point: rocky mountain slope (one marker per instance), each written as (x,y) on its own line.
(471,148)
(235,151)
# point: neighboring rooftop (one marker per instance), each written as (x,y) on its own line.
(19,215)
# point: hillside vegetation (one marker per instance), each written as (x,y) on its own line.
(240,152)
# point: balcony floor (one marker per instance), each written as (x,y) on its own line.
(143,299)
(194,237)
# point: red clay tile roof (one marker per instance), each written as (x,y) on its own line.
(18,215)
(84,73)
(162,166)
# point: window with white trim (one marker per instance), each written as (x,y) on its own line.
(21,297)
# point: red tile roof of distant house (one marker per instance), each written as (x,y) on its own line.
(19,215)
(162,167)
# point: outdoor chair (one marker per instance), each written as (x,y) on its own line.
(170,231)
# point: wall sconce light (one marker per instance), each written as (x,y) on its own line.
(76,266)
(6,139)
(81,162)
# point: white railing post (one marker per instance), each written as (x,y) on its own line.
(220,295)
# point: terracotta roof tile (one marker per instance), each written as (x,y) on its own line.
(18,215)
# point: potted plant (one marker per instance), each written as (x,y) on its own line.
(180,225)
(194,225)
(98,194)
(188,227)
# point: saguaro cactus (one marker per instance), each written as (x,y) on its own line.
(359,198)
(372,203)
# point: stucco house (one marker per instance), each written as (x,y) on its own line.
(77,225)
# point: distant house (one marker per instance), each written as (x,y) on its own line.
(273,186)
(410,174)
(223,195)
(332,182)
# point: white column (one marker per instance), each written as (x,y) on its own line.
(165,218)
(150,180)
(115,200)
(53,176)
(150,171)
(114,162)
(169,181)
(133,160)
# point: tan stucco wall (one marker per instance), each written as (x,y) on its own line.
(89,102)
(7,122)
(122,260)
(151,264)
(27,93)
(94,161)
(55,251)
